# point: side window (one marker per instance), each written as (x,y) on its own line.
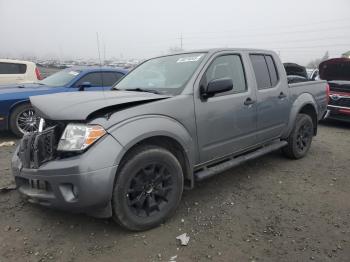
(12,68)
(109,78)
(227,66)
(261,71)
(272,69)
(93,78)
(265,71)
(118,76)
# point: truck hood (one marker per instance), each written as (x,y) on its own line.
(335,69)
(80,105)
(22,88)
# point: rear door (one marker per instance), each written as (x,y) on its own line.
(272,98)
(225,124)
(12,73)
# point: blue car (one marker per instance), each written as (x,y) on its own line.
(16,113)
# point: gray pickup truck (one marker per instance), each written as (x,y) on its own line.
(174,120)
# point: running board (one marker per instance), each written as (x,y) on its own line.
(219,168)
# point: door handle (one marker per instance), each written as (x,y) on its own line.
(282,95)
(249,101)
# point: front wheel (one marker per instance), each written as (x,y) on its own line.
(299,140)
(148,188)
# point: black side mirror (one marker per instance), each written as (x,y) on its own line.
(84,85)
(216,86)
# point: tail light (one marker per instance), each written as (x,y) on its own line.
(38,74)
(328,92)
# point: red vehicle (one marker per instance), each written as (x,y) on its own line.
(337,72)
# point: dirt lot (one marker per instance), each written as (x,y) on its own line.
(272,209)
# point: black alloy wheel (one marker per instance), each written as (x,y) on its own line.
(300,139)
(148,188)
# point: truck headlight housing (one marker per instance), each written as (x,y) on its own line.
(77,137)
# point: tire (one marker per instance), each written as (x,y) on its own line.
(299,140)
(18,112)
(148,188)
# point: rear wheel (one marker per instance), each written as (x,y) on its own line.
(23,119)
(148,188)
(299,141)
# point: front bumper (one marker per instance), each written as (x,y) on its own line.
(79,184)
(338,113)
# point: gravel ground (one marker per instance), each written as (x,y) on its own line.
(271,209)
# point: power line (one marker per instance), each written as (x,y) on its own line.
(308,24)
(271,34)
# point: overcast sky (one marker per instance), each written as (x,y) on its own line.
(298,30)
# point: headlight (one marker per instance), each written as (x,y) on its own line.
(77,137)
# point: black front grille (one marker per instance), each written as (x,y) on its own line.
(343,101)
(38,148)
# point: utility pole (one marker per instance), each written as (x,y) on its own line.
(104,51)
(181,41)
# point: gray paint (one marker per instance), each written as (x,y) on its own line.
(207,130)
(79,105)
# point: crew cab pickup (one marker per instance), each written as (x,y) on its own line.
(174,120)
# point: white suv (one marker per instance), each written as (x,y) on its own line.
(16,72)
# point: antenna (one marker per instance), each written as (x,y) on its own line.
(99,58)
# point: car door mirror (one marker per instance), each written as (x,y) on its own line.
(84,85)
(216,86)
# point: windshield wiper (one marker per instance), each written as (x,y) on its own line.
(141,90)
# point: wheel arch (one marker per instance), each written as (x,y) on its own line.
(159,131)
(172,146)
(13,107)
(310,110)
(304,104)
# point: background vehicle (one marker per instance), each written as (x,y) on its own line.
(337,72)
(313,74)
(16,71)
(296,73)
(16,113)
(172,121)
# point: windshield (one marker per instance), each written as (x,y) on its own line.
(167,74)
(61,78)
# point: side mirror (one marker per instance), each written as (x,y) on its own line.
(216,86)
(84,85)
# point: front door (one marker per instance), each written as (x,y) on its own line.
(226,123)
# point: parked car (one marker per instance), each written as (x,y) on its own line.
(295,73)
(337,72)
(16,112)
(173,121)
(313,74)
(16,72)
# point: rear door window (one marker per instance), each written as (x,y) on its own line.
(12,68)
(272,70)
(261,71)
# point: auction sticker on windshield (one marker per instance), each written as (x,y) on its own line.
(75,73)
(189,59)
